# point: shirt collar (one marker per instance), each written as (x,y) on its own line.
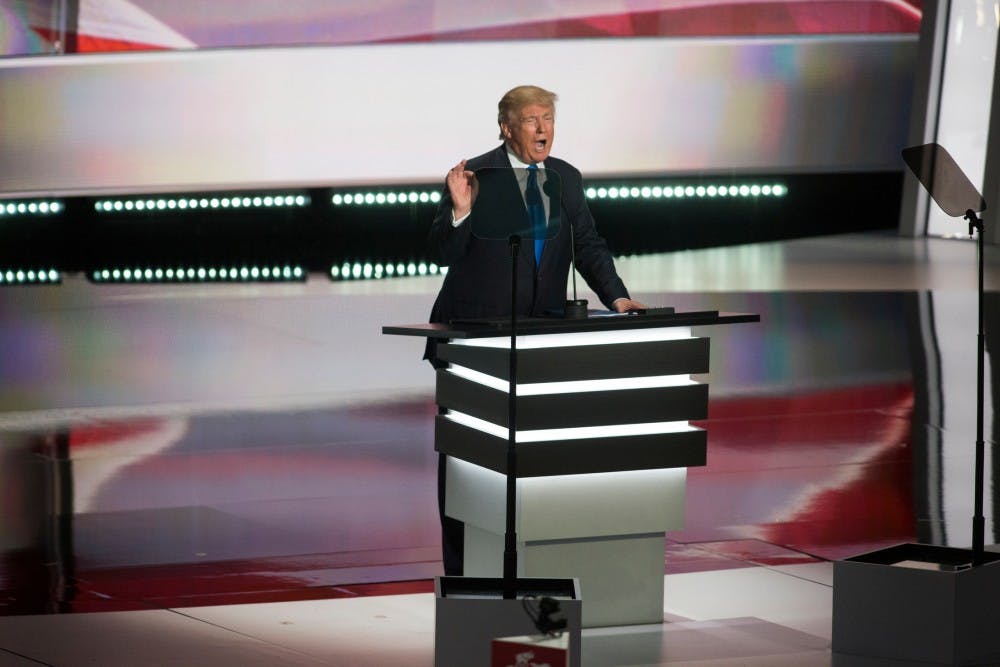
(516,163)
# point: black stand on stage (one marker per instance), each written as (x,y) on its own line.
(468,612)
(978,520)
(500,213)
(921,602)
(510,534)
(952,191)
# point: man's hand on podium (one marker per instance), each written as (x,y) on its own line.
(624,305)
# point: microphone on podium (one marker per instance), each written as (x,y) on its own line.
(576,309)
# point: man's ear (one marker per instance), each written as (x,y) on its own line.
(505,130)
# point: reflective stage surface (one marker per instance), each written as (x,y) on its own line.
(172,447)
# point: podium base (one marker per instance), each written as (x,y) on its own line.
(470,613)
(920,603)
(622,574)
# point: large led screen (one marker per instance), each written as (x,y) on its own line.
(397,92)
(39,26)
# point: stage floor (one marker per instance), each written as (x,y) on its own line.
(244,474)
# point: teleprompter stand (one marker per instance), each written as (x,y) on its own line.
(917,602)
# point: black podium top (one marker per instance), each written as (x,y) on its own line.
(489,328)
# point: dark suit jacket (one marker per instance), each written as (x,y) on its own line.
(477,284)
(478,281)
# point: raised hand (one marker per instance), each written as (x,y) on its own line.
(463,187)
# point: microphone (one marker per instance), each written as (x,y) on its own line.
(576,309)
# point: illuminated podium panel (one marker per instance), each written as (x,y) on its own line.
(603,443)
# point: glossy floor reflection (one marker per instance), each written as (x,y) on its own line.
(170,448)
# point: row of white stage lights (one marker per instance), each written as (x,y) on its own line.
(348,270)
(30,208)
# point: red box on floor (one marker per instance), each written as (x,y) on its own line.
(531,651)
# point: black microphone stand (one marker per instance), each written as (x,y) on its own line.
(510,535)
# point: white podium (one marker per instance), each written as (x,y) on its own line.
(603,444)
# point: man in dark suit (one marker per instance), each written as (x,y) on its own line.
(477,284)
(478,279)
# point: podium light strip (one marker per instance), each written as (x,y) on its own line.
(572,386)
(580,338)
(578,433)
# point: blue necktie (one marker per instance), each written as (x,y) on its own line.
(536,211)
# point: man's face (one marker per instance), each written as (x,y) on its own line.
(530,133)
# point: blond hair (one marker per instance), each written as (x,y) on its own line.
(517,98)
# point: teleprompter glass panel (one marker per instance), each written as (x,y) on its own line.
(504,200)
